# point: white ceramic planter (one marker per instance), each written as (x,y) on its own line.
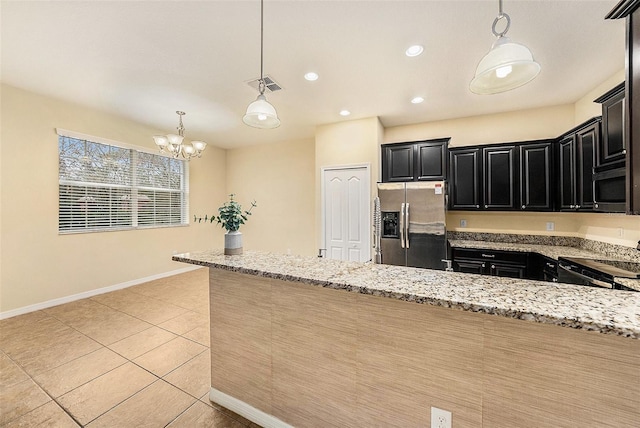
(233,243)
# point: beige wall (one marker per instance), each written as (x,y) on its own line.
(352,142)
(280,177)
(522,125)
(617,229)
(38,264)
(585,108)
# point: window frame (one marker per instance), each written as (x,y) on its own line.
(135,187)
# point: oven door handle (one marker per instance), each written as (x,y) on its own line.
(590,280)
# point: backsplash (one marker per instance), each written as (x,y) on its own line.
(608,250)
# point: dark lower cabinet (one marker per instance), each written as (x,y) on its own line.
(542,268)
(512,264)
(490,262)
(415,161)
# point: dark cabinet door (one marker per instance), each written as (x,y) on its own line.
(536,172)
(431,160)
(587,140)
(612,146)
(470,266)
(567,172)
(507,270)
(415,161)
(499,187)
(464,184)
(397,163)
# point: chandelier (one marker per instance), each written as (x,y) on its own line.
(173,144)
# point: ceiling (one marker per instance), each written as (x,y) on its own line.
(146,59)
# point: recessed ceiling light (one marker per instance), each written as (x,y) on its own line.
(414,50)
(311,76)
(417,100)
(345,112)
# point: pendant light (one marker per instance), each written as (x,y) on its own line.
(506,66)
(260,113)
(173,144)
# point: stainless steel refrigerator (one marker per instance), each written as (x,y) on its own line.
(412,224)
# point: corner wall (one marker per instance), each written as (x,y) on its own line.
(38,264)
(279,177)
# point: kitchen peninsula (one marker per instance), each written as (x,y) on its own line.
(304,341)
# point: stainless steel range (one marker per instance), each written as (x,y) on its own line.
(595,272)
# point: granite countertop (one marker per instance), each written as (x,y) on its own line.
(551,251)
(607,311)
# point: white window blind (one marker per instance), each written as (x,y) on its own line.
(106,187)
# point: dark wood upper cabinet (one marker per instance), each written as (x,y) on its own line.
(612,147)
(630,11)
(415,161)
(576,162)
(464,178)
(431,160)
(536,172)
(397,162)
(498,177)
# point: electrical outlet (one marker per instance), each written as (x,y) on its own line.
(620,231)
(463,223)
(440,418)
(551,226)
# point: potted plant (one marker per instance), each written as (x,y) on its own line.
(230,217)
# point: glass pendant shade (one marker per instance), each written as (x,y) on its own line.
(261,114)
(506,66)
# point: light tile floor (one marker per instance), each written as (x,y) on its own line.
(129,358)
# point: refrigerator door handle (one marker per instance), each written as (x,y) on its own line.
(402,226)
(406,225)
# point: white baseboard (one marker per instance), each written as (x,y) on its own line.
(245,410)
(91,293)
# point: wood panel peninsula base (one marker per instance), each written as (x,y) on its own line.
(301,341)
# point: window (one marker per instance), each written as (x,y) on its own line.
(106,187)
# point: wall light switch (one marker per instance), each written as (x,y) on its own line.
(463,223)
(551,226)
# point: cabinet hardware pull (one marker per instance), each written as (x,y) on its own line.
(489,256)
(524,206)
(577,207)
(572,206)
(486,206)
(477,206)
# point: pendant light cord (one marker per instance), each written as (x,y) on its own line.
(261,84)
(500,14)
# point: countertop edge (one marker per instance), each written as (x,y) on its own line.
(336,284)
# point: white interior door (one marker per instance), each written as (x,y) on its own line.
(346,213)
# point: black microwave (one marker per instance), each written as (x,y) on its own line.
(609,190)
